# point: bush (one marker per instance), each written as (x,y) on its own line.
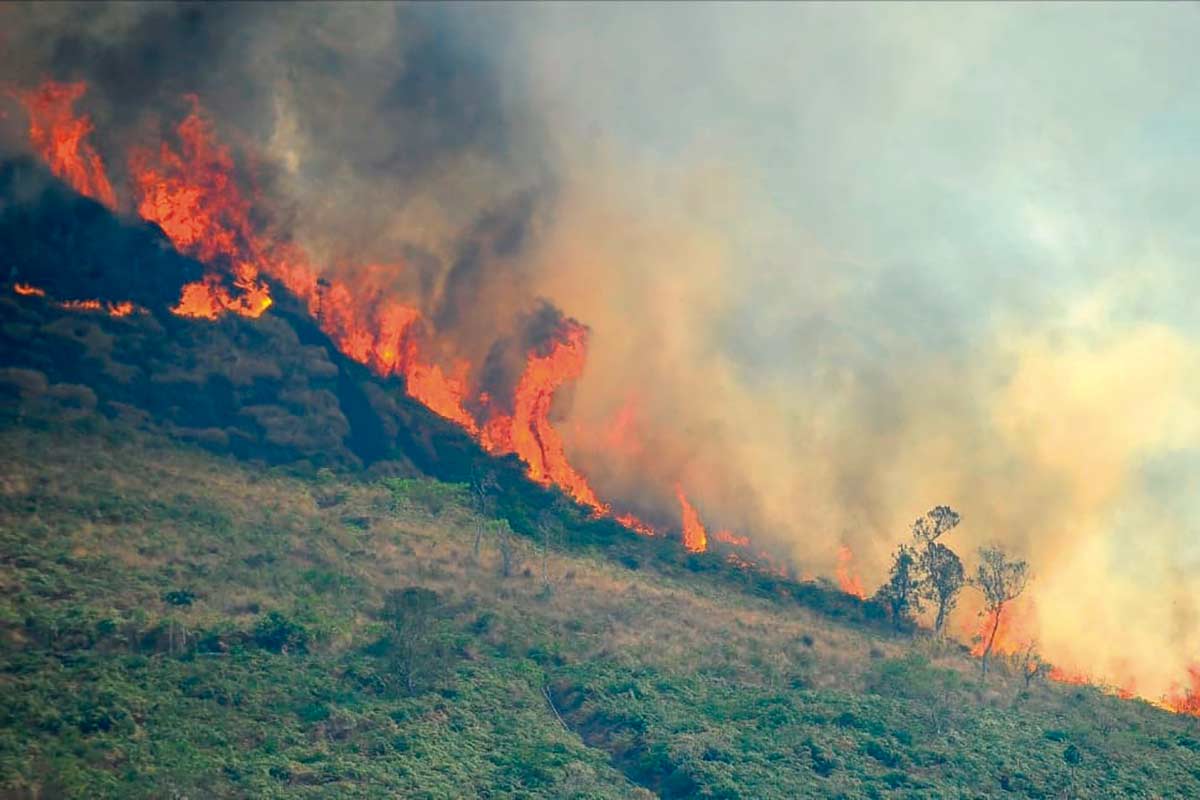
(277,633)
(423,493)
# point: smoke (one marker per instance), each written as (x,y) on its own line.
(838,264)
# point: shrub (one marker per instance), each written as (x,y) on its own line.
(277,633)
(422,493)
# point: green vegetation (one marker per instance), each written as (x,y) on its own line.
(178,623)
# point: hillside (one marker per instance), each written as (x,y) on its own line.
(178,623)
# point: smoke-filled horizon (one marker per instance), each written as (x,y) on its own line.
(838,264)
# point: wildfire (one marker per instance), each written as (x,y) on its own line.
(190,191)
(58,135)
(695,539)
(847,579)
(189,188)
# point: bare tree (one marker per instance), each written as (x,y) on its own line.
(1032,665)
(940,568)
(413,614)
(1001,580)
(550,527)
(938,521)
(901,595)
(504,541)
(483,489)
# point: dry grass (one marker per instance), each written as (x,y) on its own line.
(593,607)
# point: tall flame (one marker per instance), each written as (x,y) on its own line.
(695,538)
(192,197)
(60,137)
(848,580)
(528,431)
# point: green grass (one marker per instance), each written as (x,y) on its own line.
(174,623)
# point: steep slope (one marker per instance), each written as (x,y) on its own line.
(180,623)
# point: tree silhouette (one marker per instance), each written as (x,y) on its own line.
(901,594)
(941,570)
(1001,580)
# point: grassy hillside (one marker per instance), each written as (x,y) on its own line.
(176,623)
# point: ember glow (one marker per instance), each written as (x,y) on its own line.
(123,308)
(28,291)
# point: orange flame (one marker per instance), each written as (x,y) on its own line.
(695,538)
(1186,699)
(120,309)
(191,196)
(729,537)
(847,579)
(60,138)
(28,291)
(81,305)
(191,193)
(636,525)
(528,431)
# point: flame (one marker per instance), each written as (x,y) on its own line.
(729,537)
(636,525)
(695,539)
(192,197)
(124,308)
(81,305)
(621,434)
(1073,678)
(27,290)
(528,431)
(1186,699)
(847,579)
(60,139)
(190,191)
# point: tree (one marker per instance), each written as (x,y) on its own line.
(942,580)
(550,526)
(413,615)
(935,523)
(901,595)
(1001,580)
(1032,665)
(941,570)
(483,489)
(504,540)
